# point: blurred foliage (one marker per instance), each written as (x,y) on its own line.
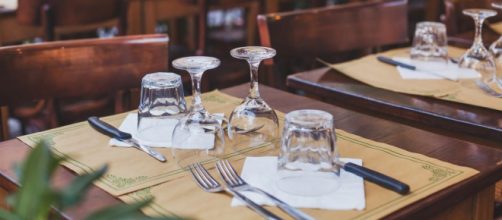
(37,200)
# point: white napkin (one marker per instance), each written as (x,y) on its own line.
(261,172)
(450,70)
(10,4)
(162,135)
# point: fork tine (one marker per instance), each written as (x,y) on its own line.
(198,179)
(207,175)
(223,173)
(233,172)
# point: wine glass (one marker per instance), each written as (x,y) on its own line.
(496,50)
(478,57)
(253,123)
(198,136)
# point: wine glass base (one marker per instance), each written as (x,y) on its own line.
(197,139)
(253,127)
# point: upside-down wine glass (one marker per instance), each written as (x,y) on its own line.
(478,57)
(496,50)
(198,136)
(253,123)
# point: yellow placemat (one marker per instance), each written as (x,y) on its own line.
(372,72)
(134,175)
(497,27)
(425,176)
(129,169)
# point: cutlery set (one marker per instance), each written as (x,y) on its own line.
(234,184)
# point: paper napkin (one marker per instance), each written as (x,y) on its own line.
(162,135)
(449,69)
(261,172)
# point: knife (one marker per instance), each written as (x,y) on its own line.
(375,177)
(393,62)
(110,131)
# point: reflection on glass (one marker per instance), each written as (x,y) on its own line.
(496,50)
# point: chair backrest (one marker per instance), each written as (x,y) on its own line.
(323,32)
(79,68)
(194,11)
(75,15)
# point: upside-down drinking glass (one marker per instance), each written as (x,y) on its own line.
(308,149)
(478,57)
(162,103)
(198,136)
(253,123)
(430,42)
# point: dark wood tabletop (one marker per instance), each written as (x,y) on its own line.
(469,199)
(334,87)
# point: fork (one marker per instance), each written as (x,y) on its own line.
(487,89)
(234,181)
(209,184)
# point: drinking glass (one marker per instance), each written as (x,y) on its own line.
(430,42)
(308,150)
(198,136)
(496,51)
(478,57)
(162,103)
(253,122)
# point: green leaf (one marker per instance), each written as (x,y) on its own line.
(126,211)
(35,196)
(75,192)
(8,216)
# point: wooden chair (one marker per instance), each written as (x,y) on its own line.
(59,17)
(171,11)
(302,36)
(251,8)
(78,68)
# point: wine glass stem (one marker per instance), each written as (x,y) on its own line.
(253,91)
(478,39)
(196,101)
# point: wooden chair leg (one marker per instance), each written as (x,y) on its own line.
(191,36)
(251,22)
(4,125)
(149,21)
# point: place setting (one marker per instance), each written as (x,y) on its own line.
(292,161)
(175,109)
(432,68)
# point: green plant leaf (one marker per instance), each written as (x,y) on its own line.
(126,211)
(35,196)
(75,192)
(8,216)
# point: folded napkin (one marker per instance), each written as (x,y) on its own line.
(161,136)
(449,69)
(261,172)
(10,4)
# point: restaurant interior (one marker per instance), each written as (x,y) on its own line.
(250,109)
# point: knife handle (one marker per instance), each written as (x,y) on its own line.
(107,129)
(390,61)
(378,178)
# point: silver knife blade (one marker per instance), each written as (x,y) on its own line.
(146,149)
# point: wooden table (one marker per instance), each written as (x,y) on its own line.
(329,85)
(469,199)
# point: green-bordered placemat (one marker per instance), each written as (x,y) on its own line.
(372,72)
(133,175)
(129,169)
(425,175)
